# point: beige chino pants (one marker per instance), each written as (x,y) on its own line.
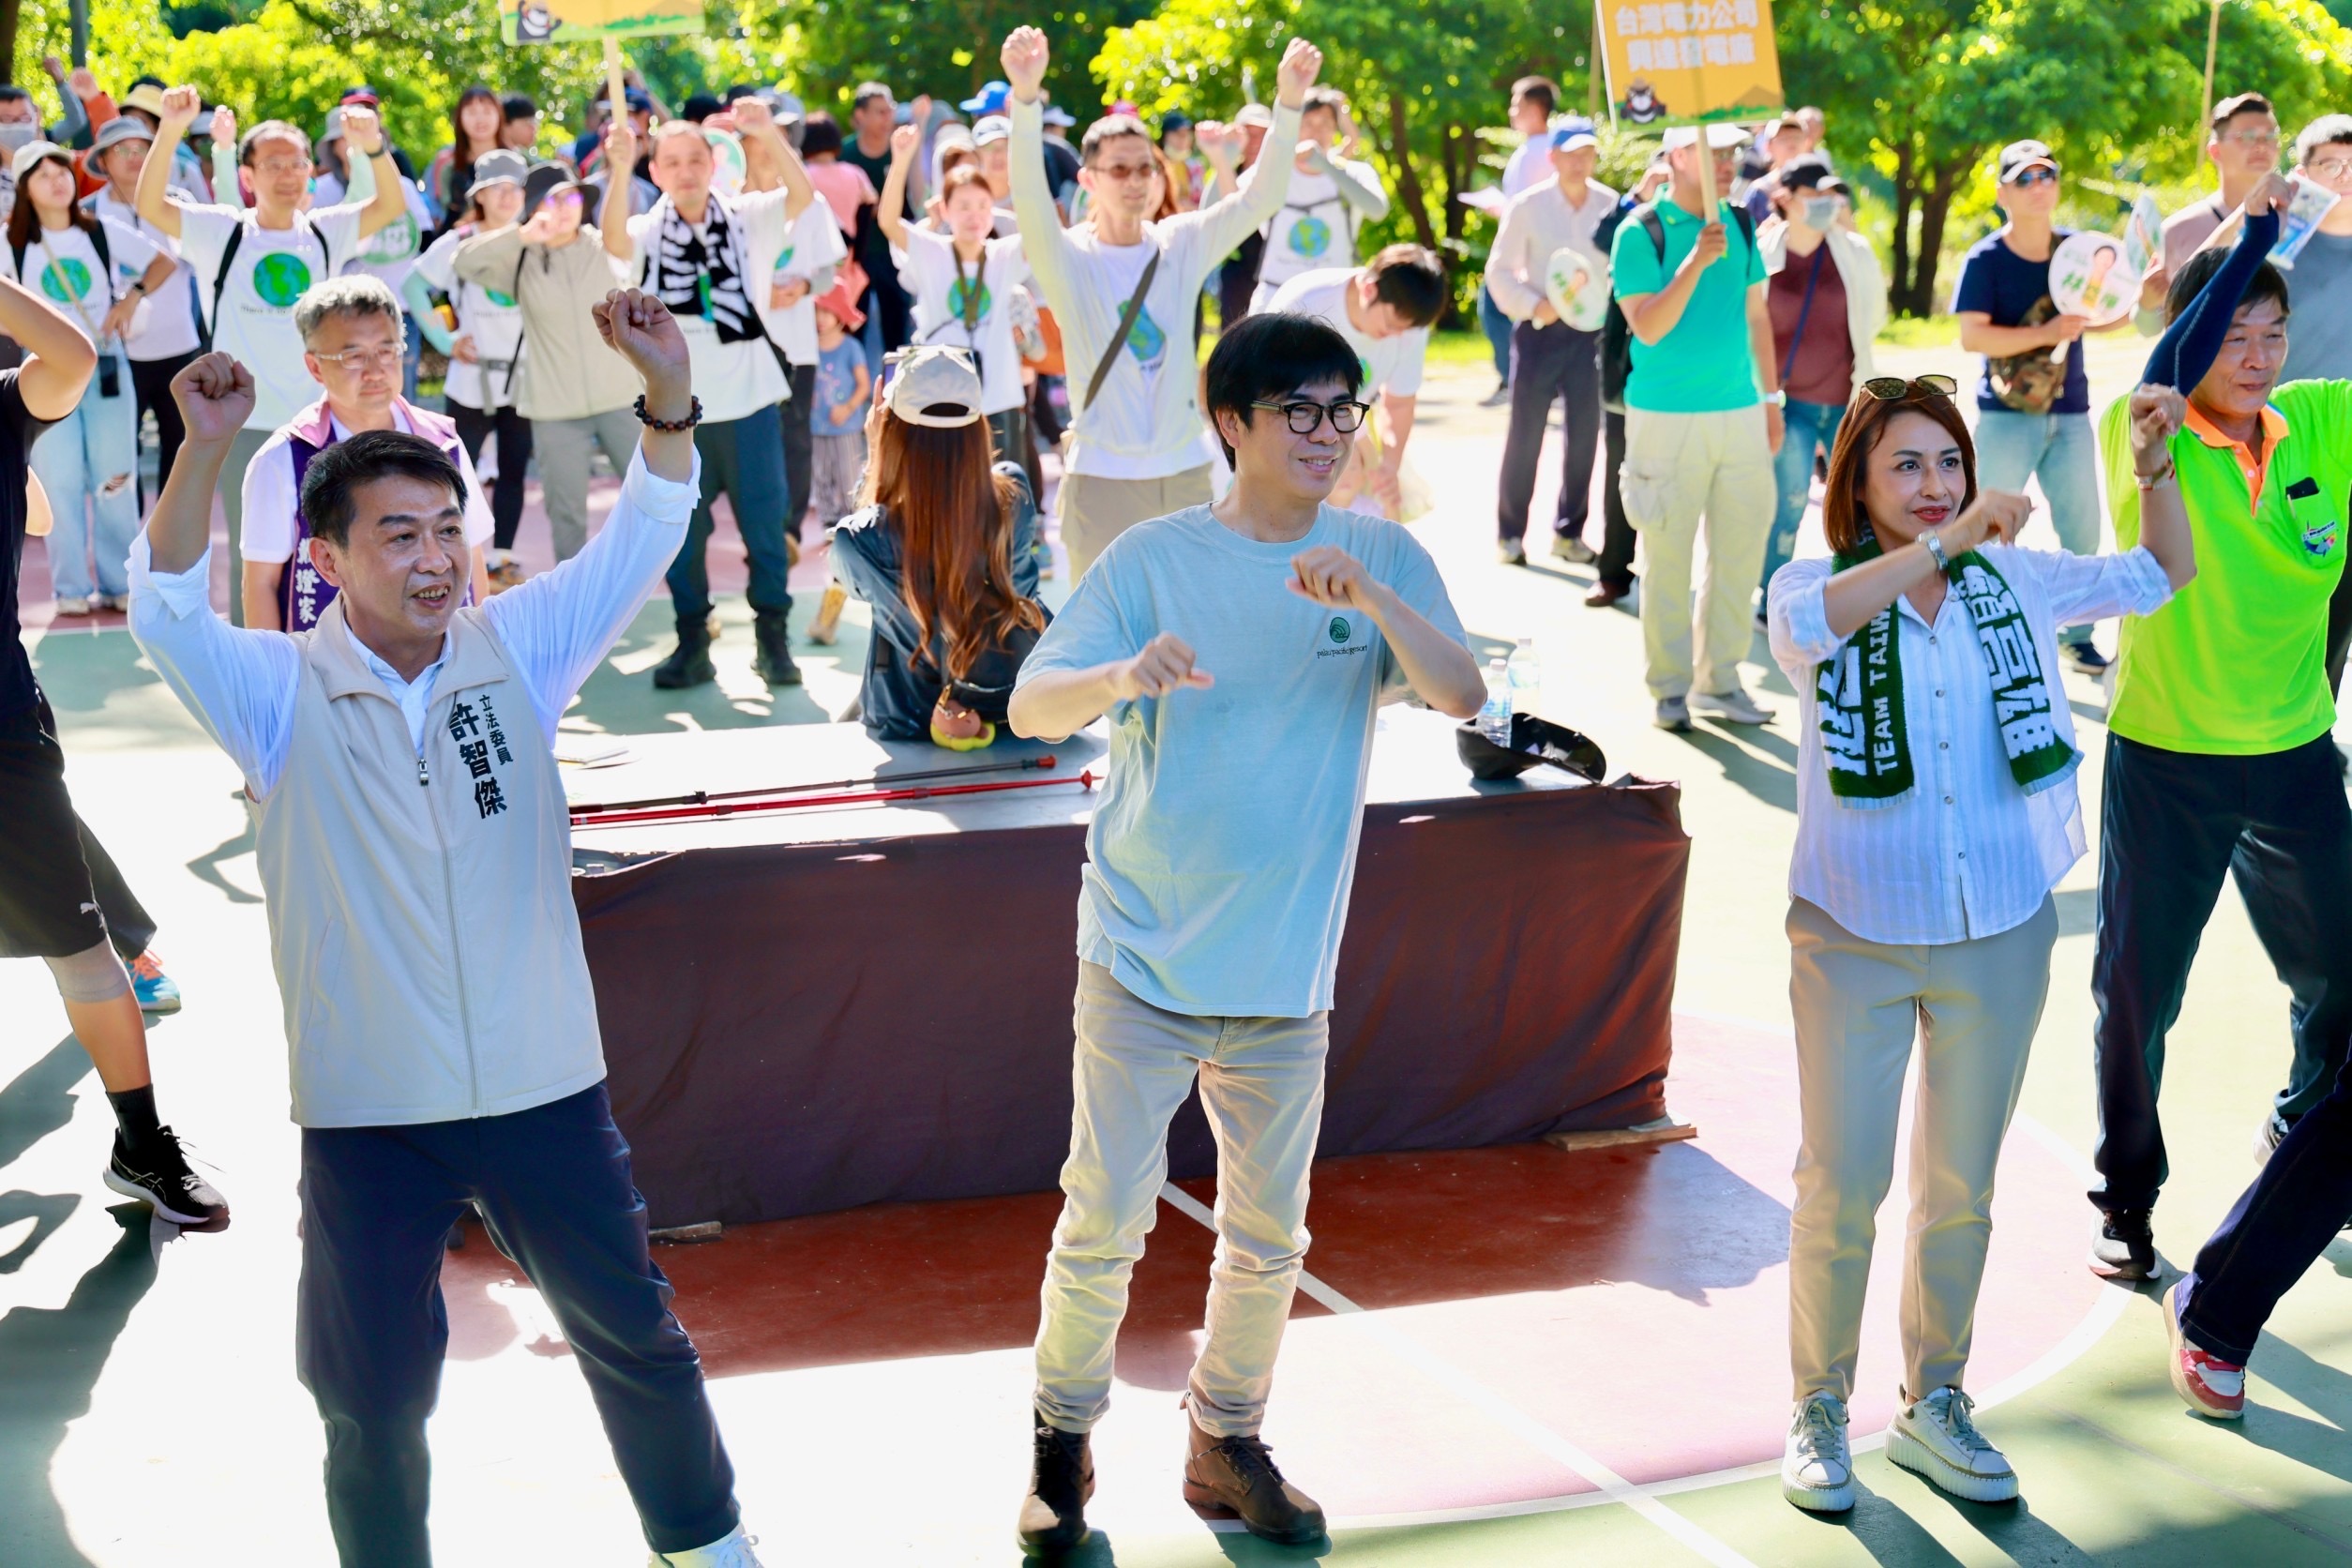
(1095,510)
(1972,1007)
(1679,470)
(1262,1082)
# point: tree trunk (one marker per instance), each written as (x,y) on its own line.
(9,12)
(1458,168)
(1400,153)
(1934,210)
(1899,288)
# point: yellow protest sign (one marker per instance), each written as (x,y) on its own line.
(1681,62)
(525,22)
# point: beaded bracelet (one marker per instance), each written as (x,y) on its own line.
(694,417)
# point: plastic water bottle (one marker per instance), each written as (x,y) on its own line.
(1494,718)
(1527,677)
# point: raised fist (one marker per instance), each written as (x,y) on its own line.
(179,107)
(1302,62)
(1024,58)
(362,129)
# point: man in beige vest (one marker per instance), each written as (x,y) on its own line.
(415,853)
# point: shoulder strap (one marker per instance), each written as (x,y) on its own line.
(105,254)
(1126,324)
(1653,225)
(514,293)
(211,322)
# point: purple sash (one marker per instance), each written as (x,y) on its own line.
(302,594)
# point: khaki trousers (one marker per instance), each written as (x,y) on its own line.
(1095,510)
(1973,1008)
(1679,468)
(1262,1082)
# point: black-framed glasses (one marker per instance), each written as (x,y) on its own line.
(1894,389)
(1345,415)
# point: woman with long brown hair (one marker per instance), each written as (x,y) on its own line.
(1936,810)
(943,551)
(98,274)
(476,121)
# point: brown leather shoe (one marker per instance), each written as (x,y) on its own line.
(1235,1478)
(1060,1480)
(1607,593)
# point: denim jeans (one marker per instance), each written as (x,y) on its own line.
(1809,425)
(2062,451)
(1496,327)
(744,459)
(88,462)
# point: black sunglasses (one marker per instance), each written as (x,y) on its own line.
(1894,389)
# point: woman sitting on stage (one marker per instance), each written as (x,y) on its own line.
(1936,810)
(943,552)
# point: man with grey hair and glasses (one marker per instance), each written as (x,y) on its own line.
(352,341)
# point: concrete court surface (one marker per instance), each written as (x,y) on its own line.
(1502,1357)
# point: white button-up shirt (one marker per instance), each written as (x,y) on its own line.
(1536,222)
(1965,853)
(241,684)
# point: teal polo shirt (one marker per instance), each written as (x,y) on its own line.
(1704,365)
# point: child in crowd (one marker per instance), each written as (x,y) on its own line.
(844,387)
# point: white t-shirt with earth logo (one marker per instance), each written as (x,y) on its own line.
(1315,228)
(62,267)
(1390,364)
(489,316)
(253,319)
(939,282)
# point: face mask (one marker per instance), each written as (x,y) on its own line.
(1820,211)
(15,134)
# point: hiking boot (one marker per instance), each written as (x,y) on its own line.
(771,658)
(689,663)
(824,627)
(1060,1480)
(1235,1478)
(2125,1251)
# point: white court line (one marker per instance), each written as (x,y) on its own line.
(1613,1487)
(2103,1315)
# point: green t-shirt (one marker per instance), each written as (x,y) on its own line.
(1704,365)
(2234,664)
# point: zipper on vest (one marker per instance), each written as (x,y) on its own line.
(457,950)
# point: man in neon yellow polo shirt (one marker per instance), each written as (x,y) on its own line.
(2219,757)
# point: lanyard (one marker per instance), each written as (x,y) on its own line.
(97,339)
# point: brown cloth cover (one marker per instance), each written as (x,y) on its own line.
(791,1029)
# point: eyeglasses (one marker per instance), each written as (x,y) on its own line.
(1894,389)
(1346,416)
(2041,175)
(2332,168)
(285,166)
(385,359)
(2253,138)
(1126,171)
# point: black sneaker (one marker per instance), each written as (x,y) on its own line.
(1060,1480)
(2125,1251)
(2086,659)
(161,1178)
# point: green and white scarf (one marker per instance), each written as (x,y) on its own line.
(1864,738)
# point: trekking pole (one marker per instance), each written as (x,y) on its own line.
(704,797)
(715,811)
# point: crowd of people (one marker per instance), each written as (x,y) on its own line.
(885,328)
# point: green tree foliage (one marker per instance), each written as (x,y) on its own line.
(1421,78)
(1923,91)
(946,48)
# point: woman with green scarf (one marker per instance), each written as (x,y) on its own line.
(1936,810)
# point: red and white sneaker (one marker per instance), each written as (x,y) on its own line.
(2209,1385)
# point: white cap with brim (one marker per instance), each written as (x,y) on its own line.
(933,384)
(1720,137)
(32,153)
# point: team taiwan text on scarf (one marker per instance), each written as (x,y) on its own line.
(1860,690)
(702,274)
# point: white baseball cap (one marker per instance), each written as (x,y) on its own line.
(934,384)
(32,153)
(1719,136)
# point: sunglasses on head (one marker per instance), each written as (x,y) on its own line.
(1894,389)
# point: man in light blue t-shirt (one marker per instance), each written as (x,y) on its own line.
(1240,651)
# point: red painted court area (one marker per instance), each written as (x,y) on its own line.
(1529,1317)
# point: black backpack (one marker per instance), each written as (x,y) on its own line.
(1617,334)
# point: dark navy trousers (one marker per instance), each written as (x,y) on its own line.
(553,1184)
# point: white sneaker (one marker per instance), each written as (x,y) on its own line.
(1733,707)
(733,1552)
(1817,1470)
(73,604)
(1937,1440)
(1674,713)
(1572,550)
